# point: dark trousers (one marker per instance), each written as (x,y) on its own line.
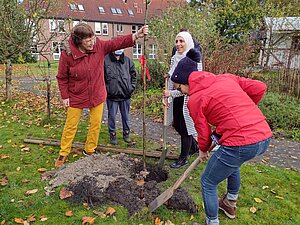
(112,108)
(188,143)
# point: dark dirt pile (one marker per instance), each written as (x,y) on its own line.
(118,179)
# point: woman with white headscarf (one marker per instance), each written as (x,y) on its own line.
(182,121)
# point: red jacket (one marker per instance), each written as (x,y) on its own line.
(227,102)
(81,75)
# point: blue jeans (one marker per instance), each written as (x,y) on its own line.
(112,108)
(225,163)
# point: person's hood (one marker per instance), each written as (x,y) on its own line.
(200,80)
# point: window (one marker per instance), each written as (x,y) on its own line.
(57,26)
(113,10)
(97,28)
(34,50)
(296,44)
(56,50)
(139,10)
(119,11)
(119,27)
(135,5)
(101,9)
(75,23)
(72,6)
(134,28)
(137,51)
(130,12)
(152,51)
(104,29)
(80,7)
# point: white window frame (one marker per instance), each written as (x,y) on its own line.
(120,28)
(130,12)
(105,29)
(137,51)
(113,10)
(55,26)
(101,9)
(119,11)
(152,51)
(52,25)
(56,51)
(73,6)
(61,26)
(98,28)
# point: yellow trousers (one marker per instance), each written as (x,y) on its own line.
(70,129)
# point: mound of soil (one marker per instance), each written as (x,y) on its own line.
(99,179)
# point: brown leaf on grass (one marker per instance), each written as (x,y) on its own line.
(30,218)
(43,218)
(30,192)
(279,197)
(253,209)
(101,214)
(294,157)
(26,149)
(64,193)
(47,175)
(1,146)
(88,220)
(140,183)
(85,205)
(258,200)
(4,181)
(2,222)
(5,156)
(273,192)
(110,211)
(168,222)
(41,170)
(157,221)
(69,213)
(265,187)
(19,221)
(25,181)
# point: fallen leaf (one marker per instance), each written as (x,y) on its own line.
(19,220)
(88,219)
(168,222)
(192,217)
(85,205)
(18,168)
(64,193)
(30,218)
(42,170)
(265,187)
(110,211)
(253,209)
(75,155)
(294,157)
(43,218)
(258,200)
(140,183)
(273,192)
(25,181)
(279,197)
(4,181)
(101,214)
(1,146)
(26,222)
(2,222)
(30,192)
(157,221)
(5,156)
(9,141)
(26,149)
(69,213)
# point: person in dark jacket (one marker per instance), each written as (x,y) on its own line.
(120,80)
(81,83)
(229,103)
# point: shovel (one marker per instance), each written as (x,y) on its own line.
(164,152)
(167,194)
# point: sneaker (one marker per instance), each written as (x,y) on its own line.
(228,207)
(60,161)
(113,139)
(126,137)
(179,163)
(84,152)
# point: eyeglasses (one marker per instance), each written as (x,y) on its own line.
(89,40)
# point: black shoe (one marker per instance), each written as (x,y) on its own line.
(113,139)
(179,163)
(85,153)
(126,137)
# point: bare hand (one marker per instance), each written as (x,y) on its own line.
(203,155)
(165,102)
(141,32)
(167,93)
(66,102)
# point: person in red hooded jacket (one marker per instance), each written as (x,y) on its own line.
(228,103)
(81,83)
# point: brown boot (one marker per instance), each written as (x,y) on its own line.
(60,160)
(228,207)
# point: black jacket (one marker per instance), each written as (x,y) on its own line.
(120,77)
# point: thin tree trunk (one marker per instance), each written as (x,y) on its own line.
(48,81)
(8,74)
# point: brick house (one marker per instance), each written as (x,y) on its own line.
(107,18)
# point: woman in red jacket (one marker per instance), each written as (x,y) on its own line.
(229,103)
(81,83)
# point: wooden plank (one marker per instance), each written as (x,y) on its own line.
(101,148)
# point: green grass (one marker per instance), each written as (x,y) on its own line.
(25,116)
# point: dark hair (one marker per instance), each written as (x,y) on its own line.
(80,32)
(184,29)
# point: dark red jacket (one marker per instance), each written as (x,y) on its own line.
(81,75)
(229,103)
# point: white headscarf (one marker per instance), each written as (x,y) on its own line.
(178,56)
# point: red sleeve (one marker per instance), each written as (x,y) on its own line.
(202,127)
(117,43)
(255,89)
(63,75)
